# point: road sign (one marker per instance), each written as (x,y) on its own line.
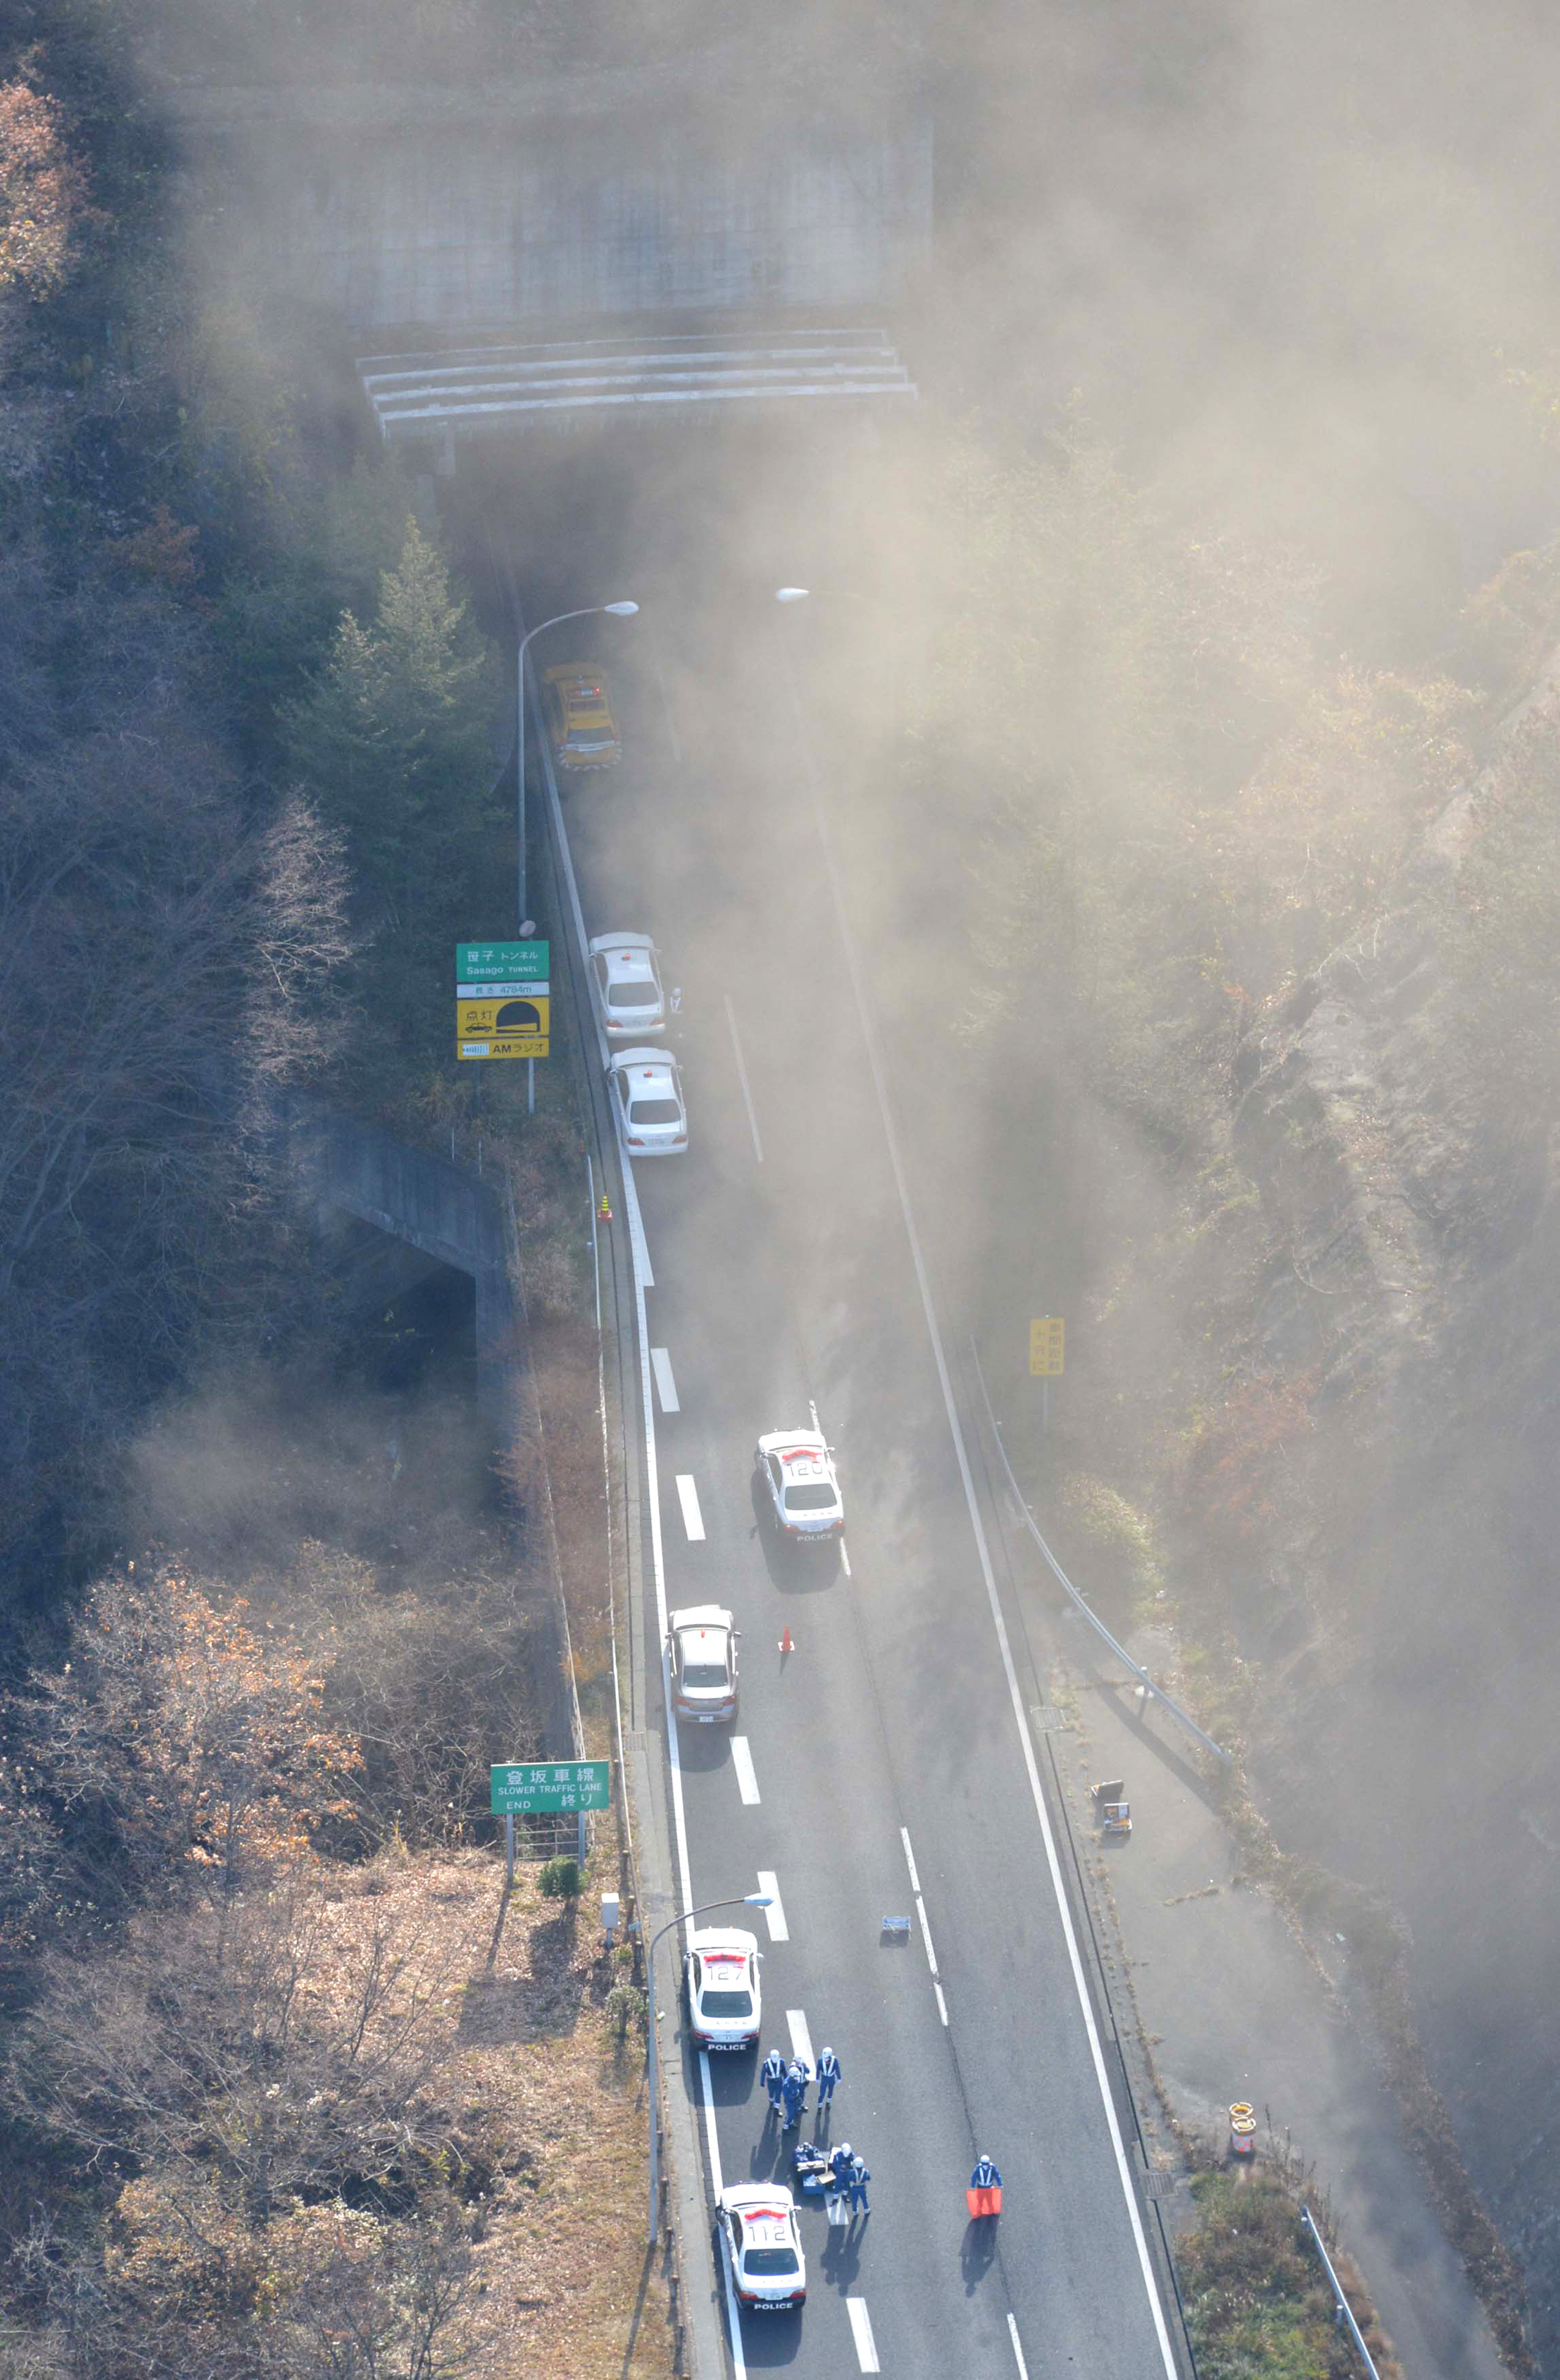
(504,1020)
(1045,1348)
(492,963)
(531,1046)
(522,1787)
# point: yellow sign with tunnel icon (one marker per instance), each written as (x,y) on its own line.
(518,1025)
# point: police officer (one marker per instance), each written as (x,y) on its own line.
(859,2178)
(828,2075)
(773,2072)
(797,2076)
(985,2176)
(840,2164)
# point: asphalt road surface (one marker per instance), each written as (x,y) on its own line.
(890,1749)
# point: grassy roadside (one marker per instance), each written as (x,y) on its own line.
(1258,2303)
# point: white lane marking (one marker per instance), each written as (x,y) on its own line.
(687,1497)
(644,1279)
(1019,2352)
(801,2040)
(775,1913)
(639,1245)
(909,1859)
(942,2003)
(742,1761)
(926,1937)
(955,1430)
(666,1387)
(861,2331)
(844,1559)
(743,1078)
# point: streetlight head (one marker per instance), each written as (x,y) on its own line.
(758,1900)
(620,611)
(790,594)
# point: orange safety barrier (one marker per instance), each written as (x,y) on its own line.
(982,2201)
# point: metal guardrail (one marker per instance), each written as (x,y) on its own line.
(1343,2309)
(1154,1693)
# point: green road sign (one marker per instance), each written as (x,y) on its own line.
(521,1786)
(501,962)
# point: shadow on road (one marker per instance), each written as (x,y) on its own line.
(977,2253)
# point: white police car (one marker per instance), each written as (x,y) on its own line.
(721,1978)
(627,985)
(702,1648)
(797,1467)
(646,1092)
(763,2239)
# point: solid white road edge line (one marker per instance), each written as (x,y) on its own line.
(801,2040)
(666,1386)
(845,1560)
(775,1913)
(645,1279)
(1017,2350)
(942,2003)
(861,2331)
(1081,1982)
(746,1777)
(743,1078)
(687,1497)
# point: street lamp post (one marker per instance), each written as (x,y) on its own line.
(590,611)
(744,1900)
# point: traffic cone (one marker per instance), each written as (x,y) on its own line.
(786,1643)
(605,1209)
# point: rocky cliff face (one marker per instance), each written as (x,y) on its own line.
(1409,1732)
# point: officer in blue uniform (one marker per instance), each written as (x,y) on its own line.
(798,2075)
(859,2178)
(828,2075)
(773,2073)
(985,2176)
(840,2164)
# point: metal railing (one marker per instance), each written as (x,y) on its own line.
(1153,1692)
(1342,2307)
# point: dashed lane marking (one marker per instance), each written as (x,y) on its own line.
(666,1387)
(687,1497)
(742,1077)
(1017,2350)
(742,1761)
(942,2003)
(801,2040)
(774,1916)
(861,2331)
(844,1559)
(909,1859)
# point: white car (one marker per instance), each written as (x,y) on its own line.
(721,1977)
(627,984)
(758,2224)
(646,1092)
(702,1648)
(797,1467)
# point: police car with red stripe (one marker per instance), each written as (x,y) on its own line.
(762,2241)
(721,1977)
(797,1469)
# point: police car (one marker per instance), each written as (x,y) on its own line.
(757,2222)
(721,1978)
(702,1648)
(646,1093)
(797,1467)
(627,984)
(584,732)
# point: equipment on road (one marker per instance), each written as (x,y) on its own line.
(1114,1813)
(787,1642)
(1242,2129)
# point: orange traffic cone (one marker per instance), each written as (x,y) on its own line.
(786,1643)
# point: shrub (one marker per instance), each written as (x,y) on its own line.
(562,1879)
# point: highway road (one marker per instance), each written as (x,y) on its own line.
(886,1767)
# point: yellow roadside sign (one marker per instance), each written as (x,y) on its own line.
(1045,1348)
(505,1020)
(531,1046)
